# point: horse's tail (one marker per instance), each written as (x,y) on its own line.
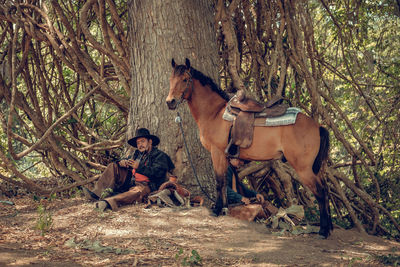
(323,149)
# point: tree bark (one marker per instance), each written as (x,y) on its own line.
(160,31)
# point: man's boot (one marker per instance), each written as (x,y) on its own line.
(89,195)
(102,205)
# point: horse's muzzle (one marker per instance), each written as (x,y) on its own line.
(172,104)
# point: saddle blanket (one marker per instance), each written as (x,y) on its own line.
(286,119)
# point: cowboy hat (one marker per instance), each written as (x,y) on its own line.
(143,132)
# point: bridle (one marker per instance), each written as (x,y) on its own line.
(178,119)
(188,83)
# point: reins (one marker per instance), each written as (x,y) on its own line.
(178,120)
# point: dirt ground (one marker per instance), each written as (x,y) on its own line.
(80,235)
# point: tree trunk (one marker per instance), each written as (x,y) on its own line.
(160,31)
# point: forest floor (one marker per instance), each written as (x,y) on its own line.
(80,235)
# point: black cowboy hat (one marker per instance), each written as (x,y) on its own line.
(143,132)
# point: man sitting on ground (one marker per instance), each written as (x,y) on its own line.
(132,179)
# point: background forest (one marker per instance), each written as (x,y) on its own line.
(65,90)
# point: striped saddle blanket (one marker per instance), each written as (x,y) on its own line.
(286,119)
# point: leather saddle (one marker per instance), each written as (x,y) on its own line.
(247,111)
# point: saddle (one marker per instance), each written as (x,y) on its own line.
(246,112)
(172,194)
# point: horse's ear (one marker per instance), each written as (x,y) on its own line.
(173,64)
(187,63)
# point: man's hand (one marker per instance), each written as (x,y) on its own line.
(123,163)
(126,163)
(134,163)
(260,198)
(245,200)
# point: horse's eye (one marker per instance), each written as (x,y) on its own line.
(184,80)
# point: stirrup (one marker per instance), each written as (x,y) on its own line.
(164,197)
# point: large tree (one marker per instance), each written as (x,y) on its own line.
(160,31)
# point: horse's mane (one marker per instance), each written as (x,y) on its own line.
(203,79)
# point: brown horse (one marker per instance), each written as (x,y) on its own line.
(304,144)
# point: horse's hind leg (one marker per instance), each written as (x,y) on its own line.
(325,215)
(319,188)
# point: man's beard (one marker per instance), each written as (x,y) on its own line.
(143,149)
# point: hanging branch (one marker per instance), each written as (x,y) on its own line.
(50,112)
(224,15)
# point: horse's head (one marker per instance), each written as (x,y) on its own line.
(180,84)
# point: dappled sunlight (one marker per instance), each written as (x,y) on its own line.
(80,233)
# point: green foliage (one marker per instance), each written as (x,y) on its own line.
(353,260)
(73,192)
(311,214)
(360,44)
(344,223)
(193,260)
(44,221)
(390,259)
(106,193)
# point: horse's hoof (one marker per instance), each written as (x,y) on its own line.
(225,211)
(321,237)
(215,212)
(323,234)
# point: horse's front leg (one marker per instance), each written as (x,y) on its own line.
(220,164)
(221,205)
